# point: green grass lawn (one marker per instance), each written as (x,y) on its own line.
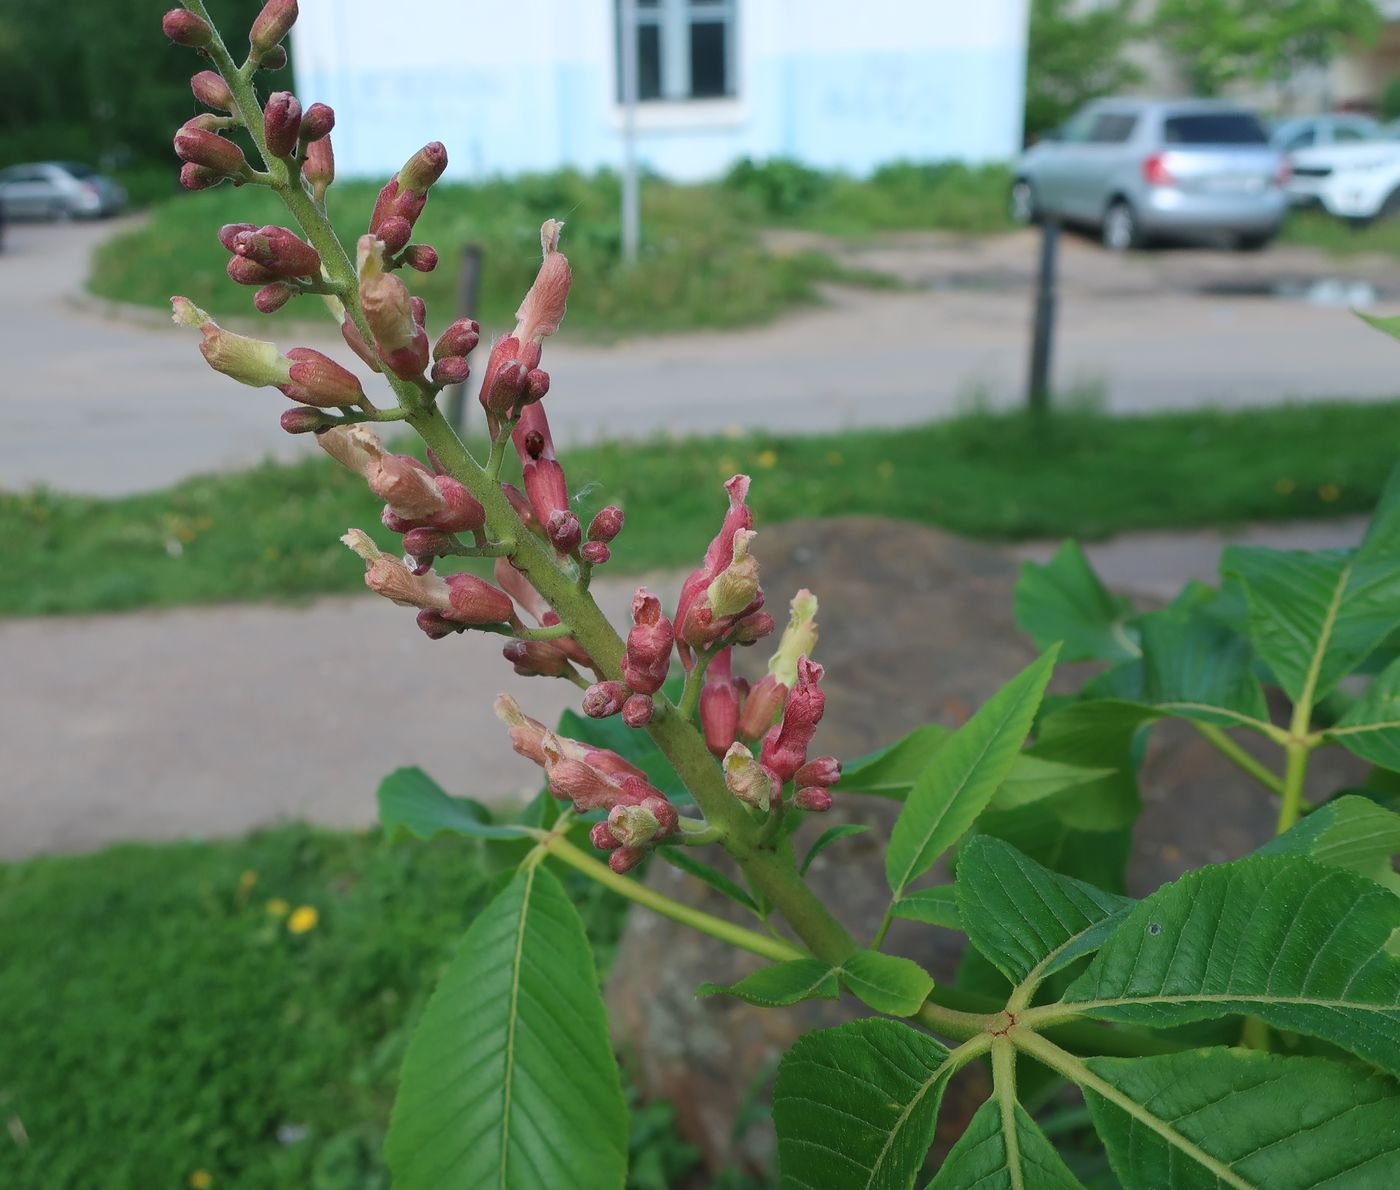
(161,1019)
(272,532)
(1315,229)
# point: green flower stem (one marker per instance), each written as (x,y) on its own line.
(695,682)
(635,890)
(1242,759)
(498,447)
(1293,777)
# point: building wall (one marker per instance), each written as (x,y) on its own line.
(512,85)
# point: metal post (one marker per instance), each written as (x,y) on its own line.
(468,289)
(1043,337)
(627,64)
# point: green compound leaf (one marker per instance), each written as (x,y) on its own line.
(955,789)
(1350,832)
(982,1160)
(934,906)
(832,834)
(1297,944)
(1245,1119)
(891,771)
(886,982)
(1371,728)
(1065,601)
(855,1106)
(1313,617)
(1026,918)
(510,1081)
(1199,669)
(411,802)
(781,984)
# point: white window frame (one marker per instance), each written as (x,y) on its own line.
(674,18)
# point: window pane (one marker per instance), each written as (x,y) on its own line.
(648,62)
(708,77)
(1112,129)
(1222,128)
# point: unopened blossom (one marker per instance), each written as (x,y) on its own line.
(318,170)
(281,123)
(785,746)
(718,556)
(633,826)
(602,700)
(210,89)
(719,704)
(316,122)
(747,779)
(823,771)
(406,193)
(249,361)
(271,25)
(815,799)
(647,658)
(638,710)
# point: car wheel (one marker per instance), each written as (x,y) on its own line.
(1120,231)
(1025,206)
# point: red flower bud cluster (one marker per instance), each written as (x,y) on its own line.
(282,123)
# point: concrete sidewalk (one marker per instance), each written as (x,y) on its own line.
(95,405)
(213,721)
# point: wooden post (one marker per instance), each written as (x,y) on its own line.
(468,291)
(1043,334)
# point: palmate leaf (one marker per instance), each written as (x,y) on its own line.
(855,1106)
(1245,1119)
(1297,944)
(1198,669)
(955,789)
(892,771)
(510,1080)
(411,802)
(1371,728)
(1349,832)
(982,1160)
(1313,617)
(886,982)
(1100,736)
(781,984)
(1025,918)
(1064,601)
(1040,832)
(933,906)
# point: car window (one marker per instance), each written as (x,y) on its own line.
(1214,128)
(77,169)
(1076,131)
(23,174)
(1300,140)
(1349,133)
(1112,128)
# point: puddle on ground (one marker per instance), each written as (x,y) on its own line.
(1333,293)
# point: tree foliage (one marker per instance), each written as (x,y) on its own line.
(1075,56)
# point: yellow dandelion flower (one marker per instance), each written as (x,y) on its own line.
(835,458)
(1284,487)
(1329,493)
(303,918)
(246,882)
(728,467)
(278,907)
(884,470)
(766,458)
(200,1179)
(732,431)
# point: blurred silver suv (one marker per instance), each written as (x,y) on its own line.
(1140,169)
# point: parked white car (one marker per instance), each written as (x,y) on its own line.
(1359,182)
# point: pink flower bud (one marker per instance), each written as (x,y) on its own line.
(536,658)
(785,746)
(536,385)
(624,859)
(595,553)
(274,59)
(409,363)
(647,658)
(574,779)
(249,361)
(319,167)
(718,557)
(404,484)
(506,387)
(280,250)
(243,271)
(564,531)
(424,168)
(526,734)
(394,233)
(185,28)
(521,506)
(602,700)
(823,771)
(316,122)
(209,150)
(606,525)
(475,601)
(736,586)
(281,123)
(356,448)
(815,799)
(317,379)
(304,421)
(602,837)
(355,341)
(762,707)
(391,578)
(422,258)
(753,628)
(719,705)
(436,625)
(460,338)
(543,308)
(664,813)
(748,780)
(637,710)
(633,826)
(451,369)
(210,89)
(271,26)
(428,544)
(462,512)
(272,297)
(229,233)
(197,177)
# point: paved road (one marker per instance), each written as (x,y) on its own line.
(212,721)
(90,404)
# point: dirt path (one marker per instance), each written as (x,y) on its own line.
(95,405)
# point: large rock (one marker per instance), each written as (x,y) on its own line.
(916,624)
